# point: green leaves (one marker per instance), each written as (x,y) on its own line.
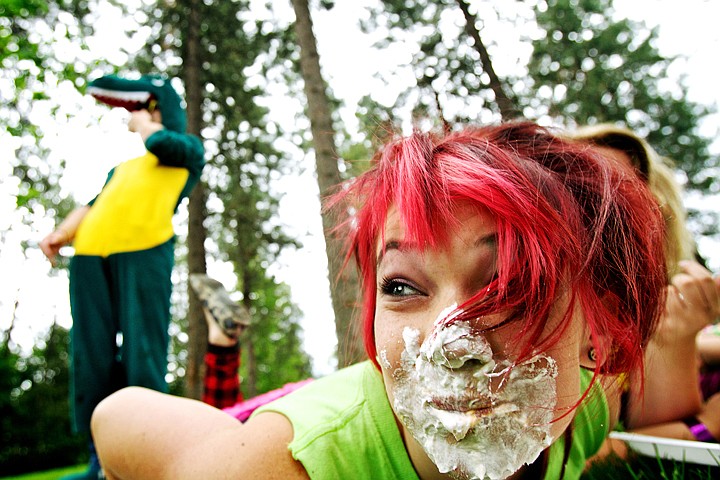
(591,69)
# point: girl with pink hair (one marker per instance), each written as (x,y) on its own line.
(508,277)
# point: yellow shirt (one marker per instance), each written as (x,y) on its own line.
(134,210)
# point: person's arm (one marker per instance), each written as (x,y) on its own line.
(708,343)
(142,122)
(708,424)
(63,233)
(174,149)
(671,389)
(142,434)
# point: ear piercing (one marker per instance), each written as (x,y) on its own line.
(592,355)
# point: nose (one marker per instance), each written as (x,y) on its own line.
(456,347)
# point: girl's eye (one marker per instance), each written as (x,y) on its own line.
(397,288)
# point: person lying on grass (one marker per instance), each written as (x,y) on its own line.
(504,272)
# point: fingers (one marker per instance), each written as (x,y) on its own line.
(48,249)
(694,287)
(137,119)
(51,245)
(50,256)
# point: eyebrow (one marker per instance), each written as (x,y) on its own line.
(489,240)
(391,245)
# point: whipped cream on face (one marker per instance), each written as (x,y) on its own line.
(475,414)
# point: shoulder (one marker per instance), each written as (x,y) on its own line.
(343,427)
(177,149)
(331,396)
(308,425)
(145,434)
(256,449)
(265,442)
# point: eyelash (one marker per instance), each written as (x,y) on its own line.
(388,286)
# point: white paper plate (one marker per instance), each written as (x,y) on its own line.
(669,448)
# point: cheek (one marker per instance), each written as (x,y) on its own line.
(567,354)
(568,389)
(568,395)
(388,342)
(389,352)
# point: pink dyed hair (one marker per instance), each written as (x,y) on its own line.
(567,221)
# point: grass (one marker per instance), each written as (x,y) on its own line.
(637,468)
(49,474)
(646,468)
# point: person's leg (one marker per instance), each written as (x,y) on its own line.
(225,322)
(221,310)
(221,386)
(142,288)
(93,347)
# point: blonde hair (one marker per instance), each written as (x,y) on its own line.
(657,172)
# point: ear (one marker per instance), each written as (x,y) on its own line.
(588,354)
(596,348)
(594,352)
(593,355)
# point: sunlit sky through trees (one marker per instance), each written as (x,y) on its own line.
(686,28)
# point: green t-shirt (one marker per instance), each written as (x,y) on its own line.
(344,427)
(590,428)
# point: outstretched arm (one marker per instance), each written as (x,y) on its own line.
(173,149)
(143,434)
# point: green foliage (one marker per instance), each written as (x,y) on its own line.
(418,20)
(31,68)
(35,430)
(450,83)
(240,52)
(589,68)
(35,38)
(240,177)
(586,67)
(276,338)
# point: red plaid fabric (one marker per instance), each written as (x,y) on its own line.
(222,384)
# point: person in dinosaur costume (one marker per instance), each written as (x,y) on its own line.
(120,274)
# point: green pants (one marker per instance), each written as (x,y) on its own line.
(121,312)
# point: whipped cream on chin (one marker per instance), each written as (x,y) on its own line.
(475,414)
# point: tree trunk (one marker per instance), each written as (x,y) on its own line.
(247,340)
(250,382)
(344,282)
(506,106)
(197,328)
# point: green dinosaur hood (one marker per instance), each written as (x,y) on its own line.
(147,92)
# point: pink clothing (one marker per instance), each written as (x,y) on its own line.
(244,409)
